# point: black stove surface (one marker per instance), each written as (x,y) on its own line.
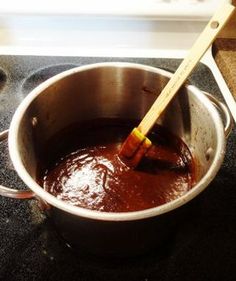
(203,248)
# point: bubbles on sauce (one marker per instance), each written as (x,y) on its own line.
(95,178)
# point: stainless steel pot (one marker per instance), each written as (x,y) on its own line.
(122,90)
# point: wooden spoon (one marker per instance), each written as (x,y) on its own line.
(137,144)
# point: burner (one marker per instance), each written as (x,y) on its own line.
(43,74)
(3,79)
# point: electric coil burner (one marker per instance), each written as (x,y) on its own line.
(202,248)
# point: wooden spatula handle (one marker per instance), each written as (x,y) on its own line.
(197,51)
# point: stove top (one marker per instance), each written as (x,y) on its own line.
(203,248)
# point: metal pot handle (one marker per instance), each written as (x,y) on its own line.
(9,192)
(224,112)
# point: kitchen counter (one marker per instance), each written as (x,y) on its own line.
(224,50)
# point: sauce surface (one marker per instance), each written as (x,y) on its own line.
(91,174)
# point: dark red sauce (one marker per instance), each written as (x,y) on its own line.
(90,174)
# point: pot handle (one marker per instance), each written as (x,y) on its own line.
(224,113)
(9,192)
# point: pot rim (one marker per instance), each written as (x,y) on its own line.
(108,216)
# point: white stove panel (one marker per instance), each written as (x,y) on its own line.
(152,9)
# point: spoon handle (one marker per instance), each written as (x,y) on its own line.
(199,48)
